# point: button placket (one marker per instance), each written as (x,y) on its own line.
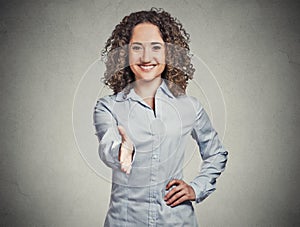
(156,131)
(153,179)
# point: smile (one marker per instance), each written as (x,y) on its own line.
(147,67)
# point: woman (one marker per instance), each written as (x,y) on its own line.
(143,127)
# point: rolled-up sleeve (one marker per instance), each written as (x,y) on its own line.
(212,151)
(107,133)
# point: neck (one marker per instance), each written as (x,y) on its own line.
(147,89)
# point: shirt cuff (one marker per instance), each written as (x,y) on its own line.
(200,194)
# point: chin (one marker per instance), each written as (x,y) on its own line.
(147,78)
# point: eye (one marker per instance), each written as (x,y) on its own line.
(156,47)
(136,48)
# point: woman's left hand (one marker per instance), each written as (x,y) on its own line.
(179,194)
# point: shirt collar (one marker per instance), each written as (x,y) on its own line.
(132,95)
(164,87)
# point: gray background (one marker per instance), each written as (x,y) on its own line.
(46,46)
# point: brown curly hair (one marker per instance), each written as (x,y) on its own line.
(179,68)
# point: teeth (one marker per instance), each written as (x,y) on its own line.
(147,66)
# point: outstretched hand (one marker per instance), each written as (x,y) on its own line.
(126,151)
(180,193)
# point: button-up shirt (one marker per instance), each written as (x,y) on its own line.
(159,136)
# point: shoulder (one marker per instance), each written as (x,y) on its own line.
(189,107)
(191,100)
(105,102)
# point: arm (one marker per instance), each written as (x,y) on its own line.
(212,152)
(115,148)
(214,158)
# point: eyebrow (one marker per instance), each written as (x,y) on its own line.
(152,43)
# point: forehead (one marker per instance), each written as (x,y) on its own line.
(146,32)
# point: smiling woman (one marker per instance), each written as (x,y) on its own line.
(147,60)
(178,70)
(147,52)
(143,127)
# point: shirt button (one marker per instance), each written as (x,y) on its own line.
(155,156)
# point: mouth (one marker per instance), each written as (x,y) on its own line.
(147,67)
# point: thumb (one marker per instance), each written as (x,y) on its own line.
(126,142)
(122,132)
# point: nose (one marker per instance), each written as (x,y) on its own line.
(146,57)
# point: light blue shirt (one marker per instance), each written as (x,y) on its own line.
(159,138)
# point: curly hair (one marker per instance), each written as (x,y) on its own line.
(178,70)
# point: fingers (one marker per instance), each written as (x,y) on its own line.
(180,193)
(173,182)
(125,152)
(174,191)
(175,194)
(126,168)
(125,158)
(176,201)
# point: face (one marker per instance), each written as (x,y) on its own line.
(146,52)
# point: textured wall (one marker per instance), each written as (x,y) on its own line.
(252,47)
